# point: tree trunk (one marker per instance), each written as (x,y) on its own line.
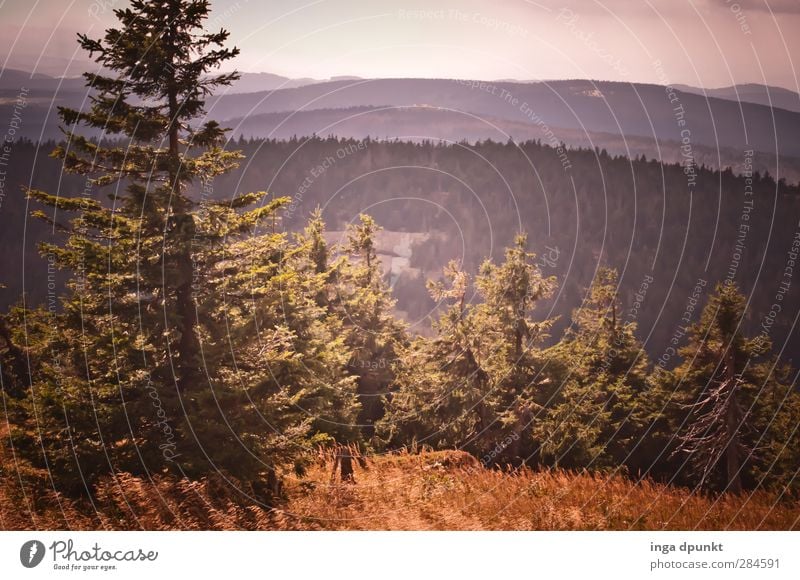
(732,419)
(346,466)
(19,362)
(343,463)
(189,345)
(484,417)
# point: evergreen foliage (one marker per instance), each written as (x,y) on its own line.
(734,394)
(595,418)
(187,337)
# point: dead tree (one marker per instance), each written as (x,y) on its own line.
(716,431)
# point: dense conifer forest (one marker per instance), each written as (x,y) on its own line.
(469,200)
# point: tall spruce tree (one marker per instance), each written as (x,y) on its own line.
(274,351)
(364,303)
(162,58)
(598,413)
(128,325)
(338,406)
(512,340)
(187,338)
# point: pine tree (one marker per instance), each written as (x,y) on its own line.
(511,344)
(776,422)
(128,327)
(598,413)
(364,303)
(162,57)
(478,384)
(339,406)
(186,340)
(441,382)
(723,380)
(266,330)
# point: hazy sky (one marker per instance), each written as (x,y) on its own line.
(707,43)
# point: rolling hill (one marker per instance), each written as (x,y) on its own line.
(427,123)
(618,108)
(751,93)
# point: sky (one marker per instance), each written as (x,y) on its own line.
(706,43)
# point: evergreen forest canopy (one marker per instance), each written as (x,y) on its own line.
(465,202)
(200,332)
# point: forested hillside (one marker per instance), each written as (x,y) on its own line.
(641,217)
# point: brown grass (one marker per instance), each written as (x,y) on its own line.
(430,491)
(451,491)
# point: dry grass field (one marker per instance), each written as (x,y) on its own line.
(429,491)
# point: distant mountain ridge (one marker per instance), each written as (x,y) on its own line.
(14,79)
(751,93)
(626,118)
(421,123)
(251,82)
(610,107)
